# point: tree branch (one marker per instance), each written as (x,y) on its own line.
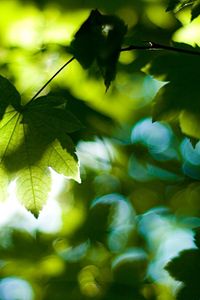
(155,46)
(150,46)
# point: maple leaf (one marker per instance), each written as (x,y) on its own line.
(99,39)
(33,140)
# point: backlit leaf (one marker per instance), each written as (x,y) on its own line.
(33,141)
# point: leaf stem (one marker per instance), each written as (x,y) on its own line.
(149,46)
(43,87)
(155,46)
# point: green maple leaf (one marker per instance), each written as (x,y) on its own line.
(32,141)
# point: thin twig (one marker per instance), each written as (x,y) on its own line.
(149,46)
(43,87)
(155,46)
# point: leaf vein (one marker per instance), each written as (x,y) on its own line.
(29,168)
(9,141)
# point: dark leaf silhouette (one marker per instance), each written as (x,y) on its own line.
(173,100)
(186,268)
(87,40)
(99,38)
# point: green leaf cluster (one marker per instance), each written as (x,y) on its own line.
(35,137)
(178,98)
(116,224)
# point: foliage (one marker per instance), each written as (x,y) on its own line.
(137,208)
(172,99)
(30,144)
(185,268)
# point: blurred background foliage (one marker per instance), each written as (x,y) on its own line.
(111,236)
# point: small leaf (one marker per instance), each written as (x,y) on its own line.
(87,40)
(8,96)
(99,38)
